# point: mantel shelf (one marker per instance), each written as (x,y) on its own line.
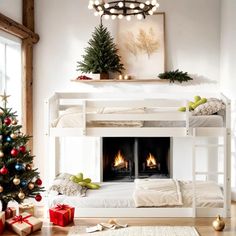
(123,81)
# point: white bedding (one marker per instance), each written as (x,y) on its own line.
(72,118)
(119,195)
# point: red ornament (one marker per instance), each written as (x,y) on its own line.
(7,121)
(14,152)
(38,197)
(39,182)
(4,170)
(22,149)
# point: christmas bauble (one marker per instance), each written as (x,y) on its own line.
(38,197)
(38,181)
(14,152)
(16,181)
(19,166)
(1,154)
(1,112)
(0,137)
(3,170)
(7,121)
(14,122)
(8,139)
(21,195)
(23,183)
(1,189)
(28,167)
(31,185)
(13,136)
(218,224)
(22,149)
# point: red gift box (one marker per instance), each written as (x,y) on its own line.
(10,212)
(61,214)
(2,221)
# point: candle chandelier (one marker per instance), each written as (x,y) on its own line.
(123,8)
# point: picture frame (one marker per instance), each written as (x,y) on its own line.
(141,45)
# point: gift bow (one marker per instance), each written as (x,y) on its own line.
(62,207)
(18,219)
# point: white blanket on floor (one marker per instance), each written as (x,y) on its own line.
(157,193)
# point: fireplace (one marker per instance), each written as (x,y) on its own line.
(125,159)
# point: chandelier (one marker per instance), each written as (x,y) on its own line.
(123,8)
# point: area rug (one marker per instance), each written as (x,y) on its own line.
(139,231)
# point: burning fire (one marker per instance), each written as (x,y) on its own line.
(120,161)
(151,161)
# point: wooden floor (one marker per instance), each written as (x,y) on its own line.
(203,225)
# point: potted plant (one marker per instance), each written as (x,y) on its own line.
(101,55)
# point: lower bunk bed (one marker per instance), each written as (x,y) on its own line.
(160,198)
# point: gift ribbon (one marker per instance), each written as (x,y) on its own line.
(64,207)
(20,219)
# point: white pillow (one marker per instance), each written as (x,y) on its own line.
(212,106)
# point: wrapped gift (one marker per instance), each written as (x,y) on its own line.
(24,224)
(26,207)
(10,212)
(61,214)
(2,221)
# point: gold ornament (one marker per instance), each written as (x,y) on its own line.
(1,112)
(21,195)
(28,167)
(1,189)
(14,122)
(1,154)
(218,224)
(16,181)
(13,136)
(31,185)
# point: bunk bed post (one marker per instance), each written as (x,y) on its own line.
(227,162)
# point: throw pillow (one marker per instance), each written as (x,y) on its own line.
(212,106)
(63,185)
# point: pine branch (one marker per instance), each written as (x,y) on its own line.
(176,75)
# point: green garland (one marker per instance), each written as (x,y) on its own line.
(176,75)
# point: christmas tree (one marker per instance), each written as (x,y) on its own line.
(18,179)
(101,54)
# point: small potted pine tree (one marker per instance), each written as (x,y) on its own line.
(101,56)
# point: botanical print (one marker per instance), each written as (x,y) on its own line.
(141,46)
(146,41)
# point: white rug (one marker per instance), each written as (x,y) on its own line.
(139,231)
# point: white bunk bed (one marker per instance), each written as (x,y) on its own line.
(157,110)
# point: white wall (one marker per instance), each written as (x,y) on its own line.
(228,68)
(193,41)
(12,9)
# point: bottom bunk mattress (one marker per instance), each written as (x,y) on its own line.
(120,195)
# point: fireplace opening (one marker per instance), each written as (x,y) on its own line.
(125,159)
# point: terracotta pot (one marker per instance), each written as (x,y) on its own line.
(104,76)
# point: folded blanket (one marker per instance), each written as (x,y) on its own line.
(157,193)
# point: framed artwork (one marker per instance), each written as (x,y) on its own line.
(141,46)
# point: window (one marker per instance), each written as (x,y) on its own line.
(10,71)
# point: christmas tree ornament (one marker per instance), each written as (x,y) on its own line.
(19,166)
(13,136)
(21,195)
(7,121)
(14,152)
(1,112)
(1,188)
(4,170)
(1,154)
(0,137)
(14,122)
(39,182)
(31,185)
(38,197)
(22,149)
(218,224)
(23,183)
(8,139)
(28,167)
(16,181)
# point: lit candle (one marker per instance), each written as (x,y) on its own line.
(120,77)
(126,77)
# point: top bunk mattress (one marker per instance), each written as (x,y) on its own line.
(73,118)
(120,195)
